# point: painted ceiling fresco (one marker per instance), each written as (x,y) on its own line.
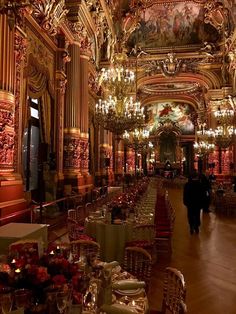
(169,87)
(179,113)
(173,24)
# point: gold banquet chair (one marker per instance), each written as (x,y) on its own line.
(174,292)
(75,229)
(182,307)
(144,237)
(85,248)
(138,262)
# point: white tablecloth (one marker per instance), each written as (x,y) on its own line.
(13,232)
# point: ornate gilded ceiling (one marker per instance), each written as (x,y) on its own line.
(182,50)
(173,24)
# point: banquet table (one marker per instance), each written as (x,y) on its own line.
(13,232)
(111,237)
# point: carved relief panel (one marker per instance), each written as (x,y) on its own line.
(7,134)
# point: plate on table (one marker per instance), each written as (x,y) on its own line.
(131,292)
(96,217)
(118,222)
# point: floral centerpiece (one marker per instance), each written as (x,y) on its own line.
(52,272)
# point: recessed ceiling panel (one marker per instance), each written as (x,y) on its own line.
(179,113)
(170,87)
(173,24)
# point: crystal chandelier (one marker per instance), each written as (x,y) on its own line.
(205,140)
(224,135)
(118,115)
(137,139)
(118,80)
(203,148)
(205,134)
(224,116)
(225,130)
(119,111)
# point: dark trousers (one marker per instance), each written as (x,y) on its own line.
(194,217)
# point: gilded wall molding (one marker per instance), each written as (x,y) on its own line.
(49,14)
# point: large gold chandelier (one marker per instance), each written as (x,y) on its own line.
(118,80)
(203,148)
(118,115)
(137,139)
(205,141)
(225,130)
(119,111)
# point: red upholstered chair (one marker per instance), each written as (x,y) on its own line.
(144,237)
(164,230)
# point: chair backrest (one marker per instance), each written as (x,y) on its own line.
(144,232)
(75,229)
(182,307)
(174,291)
(89,208)
(138,262)
(72,214)
(81,213)
(85,248)
(27,247)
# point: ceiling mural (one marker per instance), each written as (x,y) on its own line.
(171,87)
(173,24)
(180,114)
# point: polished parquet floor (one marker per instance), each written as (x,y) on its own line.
(207,261)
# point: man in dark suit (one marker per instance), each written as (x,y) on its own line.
(193,198)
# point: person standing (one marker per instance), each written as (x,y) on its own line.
(206,184)
(193,198)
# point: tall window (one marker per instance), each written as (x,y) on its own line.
(30,151)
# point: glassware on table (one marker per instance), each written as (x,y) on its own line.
(22,298)
(63,299)
(6,301)
(91,297)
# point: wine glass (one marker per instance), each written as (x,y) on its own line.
(6,303)
(62,299)
(91,297)
(22,298)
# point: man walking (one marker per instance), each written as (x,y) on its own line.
(193,198)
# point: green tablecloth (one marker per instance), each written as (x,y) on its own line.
(112,238)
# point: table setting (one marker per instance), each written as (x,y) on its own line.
(55,283)
(114,227)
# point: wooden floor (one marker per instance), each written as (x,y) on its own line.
(207,260)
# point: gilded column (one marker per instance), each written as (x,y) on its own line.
(103,146)
(72,150)
(7,97)
(84,105)
(12,52)
(120,159)
(110,154)
(62,58)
